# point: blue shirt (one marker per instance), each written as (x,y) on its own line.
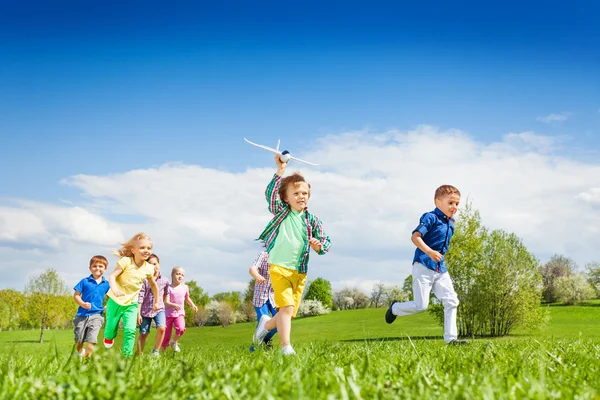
(436,231)
(93,293)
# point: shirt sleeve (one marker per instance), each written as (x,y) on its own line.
(79,286)
(320,234)
(275,204)
(425,224)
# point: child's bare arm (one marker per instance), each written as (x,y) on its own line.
(154,288)
(254,273)
(191,303)
(112,280)
(80,302)
(417,239)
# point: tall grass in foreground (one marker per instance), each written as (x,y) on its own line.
(512,369)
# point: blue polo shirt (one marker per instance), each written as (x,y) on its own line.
(93,293)
(436,231)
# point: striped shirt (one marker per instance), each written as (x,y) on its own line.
(263,291)
(280,210)
(146,298)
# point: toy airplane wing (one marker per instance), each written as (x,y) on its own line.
(263,147)
(302,161)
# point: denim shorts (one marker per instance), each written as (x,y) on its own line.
(159,320)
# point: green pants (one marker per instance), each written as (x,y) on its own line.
(114,312)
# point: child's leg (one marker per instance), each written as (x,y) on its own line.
(78,331)
(283,322)
(129,329)
(160,321)
(144,332)
(114,313)
(269,310)
(89,349)
(179,325)
(94,324)
(444,290)
(168,329)
(422,283)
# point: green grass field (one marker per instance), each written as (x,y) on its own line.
(349,354)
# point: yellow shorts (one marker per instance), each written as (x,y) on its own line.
(288,286)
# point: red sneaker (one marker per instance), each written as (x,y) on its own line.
(108,343)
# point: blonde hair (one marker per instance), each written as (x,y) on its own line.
(175,269)
(127,248)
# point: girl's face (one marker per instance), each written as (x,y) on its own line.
(156,264)
(142,249)
(296,195)
(178,275)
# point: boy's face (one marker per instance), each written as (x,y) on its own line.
(448,204)
(296,195)
(143,249)
(156,264)
(97,269)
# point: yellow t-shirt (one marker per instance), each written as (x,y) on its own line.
(130,281)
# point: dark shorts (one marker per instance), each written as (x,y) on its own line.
(87,328)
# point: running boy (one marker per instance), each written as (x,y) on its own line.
(89,295)
(432,238)
(263,300)
(125,284)
(288,237)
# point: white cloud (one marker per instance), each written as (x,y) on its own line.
(370,191)
(551,118)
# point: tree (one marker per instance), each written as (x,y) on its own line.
(407,287)
(14,308)
(592,273)
(199,298)
(233,298)
(573,289)
(44,301)
(392,293)
(496,279)
(377,295)
(557,267)
(320,289)
(249,293)
(350,299)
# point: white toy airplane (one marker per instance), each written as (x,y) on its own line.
(285,155)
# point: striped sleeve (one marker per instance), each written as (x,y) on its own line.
(275,205)
(320,234)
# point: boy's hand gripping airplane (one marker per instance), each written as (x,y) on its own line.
(285,155)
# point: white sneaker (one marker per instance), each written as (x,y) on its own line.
(287,350)
(261,331)
(175,346)
(155,353)
(82,354)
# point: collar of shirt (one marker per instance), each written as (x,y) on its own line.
(441,214)
(91,278)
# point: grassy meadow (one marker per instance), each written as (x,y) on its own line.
(343,355)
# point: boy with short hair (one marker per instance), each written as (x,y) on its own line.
(432,238)
(263,298)
(89,295)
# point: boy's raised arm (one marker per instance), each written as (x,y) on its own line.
(275,204)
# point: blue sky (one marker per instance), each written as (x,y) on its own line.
(105,88)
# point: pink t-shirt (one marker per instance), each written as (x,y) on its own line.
(177,295)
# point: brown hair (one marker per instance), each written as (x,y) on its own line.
(293,179)
(128,246)
(100,259)
(154,256)
(444,191)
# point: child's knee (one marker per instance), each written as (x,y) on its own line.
(287,310)
(179,331)
(161,329)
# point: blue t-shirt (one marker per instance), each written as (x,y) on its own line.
(93,293)
(436,231)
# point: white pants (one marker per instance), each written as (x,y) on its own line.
(424,280)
